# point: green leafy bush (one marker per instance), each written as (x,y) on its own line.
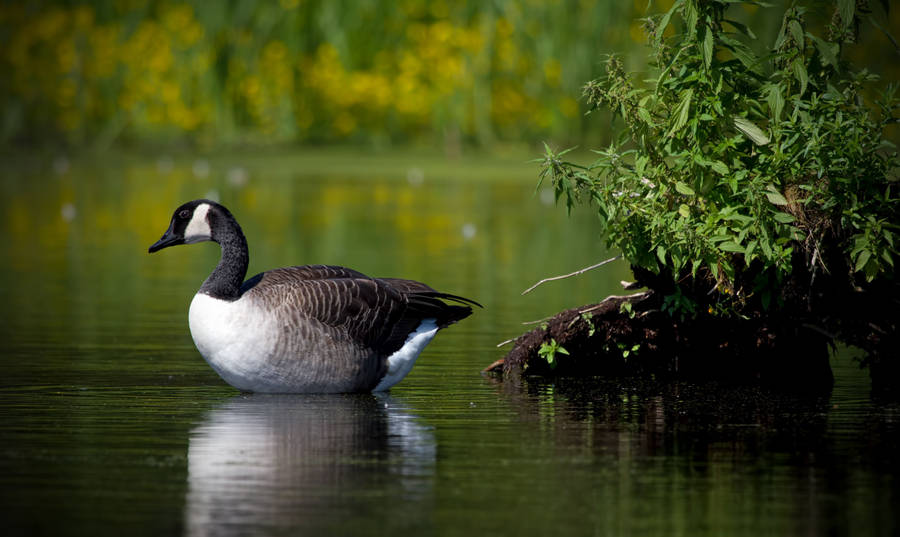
(735,169)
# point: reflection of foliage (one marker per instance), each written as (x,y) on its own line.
(222,71)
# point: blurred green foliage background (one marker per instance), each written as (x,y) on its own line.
(376,72)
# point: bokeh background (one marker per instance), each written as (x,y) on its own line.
(373,72)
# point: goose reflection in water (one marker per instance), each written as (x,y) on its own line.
(309,463)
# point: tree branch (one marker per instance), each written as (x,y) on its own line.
(576,273)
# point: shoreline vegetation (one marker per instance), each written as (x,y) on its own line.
(754,197)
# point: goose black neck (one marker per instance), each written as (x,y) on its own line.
(226,279)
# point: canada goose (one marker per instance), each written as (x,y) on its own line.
(308,329)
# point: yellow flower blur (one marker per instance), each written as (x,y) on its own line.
(294,71)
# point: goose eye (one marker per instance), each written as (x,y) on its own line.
(184,214)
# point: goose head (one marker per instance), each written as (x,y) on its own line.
(191,223)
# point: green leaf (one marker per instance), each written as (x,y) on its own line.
(683,188)
(698,158)
(733,183)
(681,111)
(640,164)
(720,238)
(782,217)
(742,52)
(690,16)
(828,51)
(707,46)
(684,210)
(664,21)
(775,100)
(720,167)
(732,246)
(661,254)
(796,32)
(863,259)
(751,131)
(644,114)
(742,218)
(800,74)
(751,246)
(775,197)
(695,264)
(846,8)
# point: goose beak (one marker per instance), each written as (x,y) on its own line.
(168,239)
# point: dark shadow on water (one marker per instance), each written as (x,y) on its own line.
(825,462)
(669,417)
(666,418)
(316,462)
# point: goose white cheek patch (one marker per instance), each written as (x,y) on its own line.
(198,228)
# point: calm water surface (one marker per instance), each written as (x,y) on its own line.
(111,423)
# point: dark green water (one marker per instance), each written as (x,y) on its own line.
(112,424)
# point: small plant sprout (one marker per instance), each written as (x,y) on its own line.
(628,351)
(588,318)
(628,309)
(548,352)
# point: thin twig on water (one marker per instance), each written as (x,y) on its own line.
(576,273)
(538,321)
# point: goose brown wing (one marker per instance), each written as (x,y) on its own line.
(304,272)
(414,288)
(367,312)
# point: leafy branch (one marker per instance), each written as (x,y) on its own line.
(739,168)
